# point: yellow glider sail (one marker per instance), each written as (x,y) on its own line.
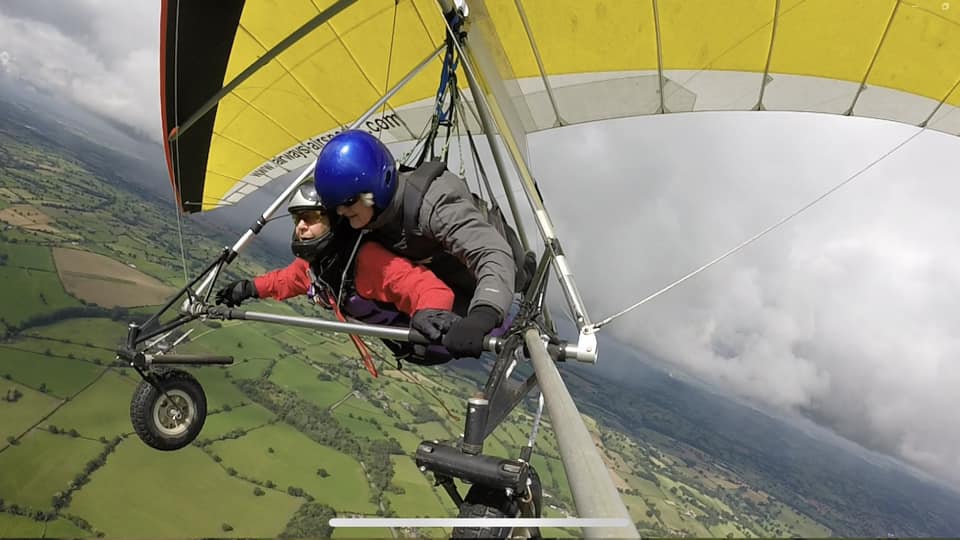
(562,61)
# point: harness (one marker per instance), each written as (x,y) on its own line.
(420,247)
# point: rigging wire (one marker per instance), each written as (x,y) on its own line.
(386,82)
(456,123)
(764,232)
(462,117)
(346,269)
(176,118)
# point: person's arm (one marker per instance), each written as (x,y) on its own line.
(452,218)
(386,277)
(284,283)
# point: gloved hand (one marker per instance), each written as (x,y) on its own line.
(465,337)
(236,292)
(433,323)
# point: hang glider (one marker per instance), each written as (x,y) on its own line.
(252,90)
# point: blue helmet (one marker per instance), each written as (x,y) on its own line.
(351,163)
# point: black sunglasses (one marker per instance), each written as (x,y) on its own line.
(350,201)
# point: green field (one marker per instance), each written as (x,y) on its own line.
(246,417)
(16,417)
(13,526)
(248,368)
(165,494)
(302,336)
(219,389)
(400,401)
(86,331)
(294,462)
(434,431)
(26,293)
(358,425)
(28,256)
(165,269)
(360,407)
(512,435)
(244,340)
(329,349)
(495,446)
(63,377)
(801,525)
(635,506)
(65,350)
(294,374)
(41,465)
(420,499)
(408,441)
(102,410)
(552,476)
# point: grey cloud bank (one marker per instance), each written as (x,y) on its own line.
(100,55)
(847,314)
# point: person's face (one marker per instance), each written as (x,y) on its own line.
(358,213)
(310,224)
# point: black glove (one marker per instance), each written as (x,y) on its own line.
(236,292)
(465,337)
(433,323)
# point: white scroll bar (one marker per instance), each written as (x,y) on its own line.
(479,522)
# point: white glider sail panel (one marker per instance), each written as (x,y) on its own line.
(609,60)
(895,60)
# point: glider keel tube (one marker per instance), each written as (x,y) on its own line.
(593,491)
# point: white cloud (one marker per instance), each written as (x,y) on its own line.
(847,314)
(101,55)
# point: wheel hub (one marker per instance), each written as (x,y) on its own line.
(174,414)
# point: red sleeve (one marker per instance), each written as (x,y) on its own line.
(284,283)
(386,277)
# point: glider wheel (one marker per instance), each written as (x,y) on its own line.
(484,502)
(171,419)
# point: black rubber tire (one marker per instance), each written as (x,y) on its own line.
(159,425)
(484,502)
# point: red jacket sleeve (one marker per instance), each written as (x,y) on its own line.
(386,277)
(286,282)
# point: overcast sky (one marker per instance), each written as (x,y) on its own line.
(848,314)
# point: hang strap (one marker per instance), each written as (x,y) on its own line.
(357,341)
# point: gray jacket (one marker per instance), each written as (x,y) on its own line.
(461,247)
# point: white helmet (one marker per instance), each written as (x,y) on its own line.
(303,199)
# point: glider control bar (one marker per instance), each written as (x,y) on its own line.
(560,351)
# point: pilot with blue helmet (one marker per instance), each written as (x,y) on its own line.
(429,216)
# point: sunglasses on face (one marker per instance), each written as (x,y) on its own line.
(308,216)
(350,201)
